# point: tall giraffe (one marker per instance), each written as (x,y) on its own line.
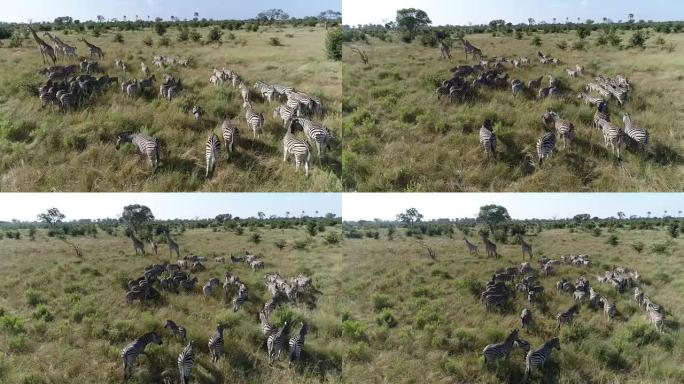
(468,48)
(173,246)
(67,50)
(95,51)
(45,49)
(58,48)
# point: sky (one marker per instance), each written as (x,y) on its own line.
(26,206)
(48,10)
(464,12)
(368,206)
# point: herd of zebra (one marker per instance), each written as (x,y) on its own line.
(172,277)
(505,283)
(491,73)
(298,104)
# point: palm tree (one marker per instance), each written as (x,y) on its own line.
(196,15)
(303,213)
(649,214)
(148,17)
(554,20)
(605,20)
(287,214)
(665,213)
(124,17)
(630,17)
(679,213)
(136,18)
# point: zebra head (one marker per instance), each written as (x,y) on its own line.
(155,338)
(626,118)
(305,328)
(554,343)
(123,137)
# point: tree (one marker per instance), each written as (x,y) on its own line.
(100,18)
(52,217)
(493,215)
(621,215)
(160,28)
(333,44)
(261,215)
(531,21)
(630,17)
(648,214)
(273,15)
(581,218)
(412,19)
(410,217)
(195,16)
(330,15)
(138,217)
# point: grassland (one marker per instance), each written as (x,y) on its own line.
(416,320)
(44,150)
(399,137)
(73,319)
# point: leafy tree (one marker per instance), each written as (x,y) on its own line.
(214,35)
(493,215)
(621,215)
(32,233)
(100,18)
(273,15)
(333,44)
(390,232)
(52,217)
(412,19)
(261,215)
(280,244)
(311,228)
(410,217)
(160,28)
(139,218)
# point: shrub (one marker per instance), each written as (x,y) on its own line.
(311,228)
(280,244)
(195,36)
(34,298)
(381,302)
(673,230)
(407,37)
(160,28)
(333,44)
(274,41)
(596,232)
(16,41)
(612,240)
(638,246)
(214,35)
(428,39)
(359,352)
(386,319)
(239,230)
(579,45)
(562,45)
(659,248)
(12,324)
(255,238)
(42,312)
(354,330)
(300,244)
(390,233)
(472,285)
(184,35)
(147,40)
(536,41)
(638,39)
(332,238)
(118,38)
(164,41)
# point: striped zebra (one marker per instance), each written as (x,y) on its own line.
(132,89)
(472,248)
(488,139)
(254,120)
(67,100)
(493,352)
(517,87)
(525,247)
(215,344)
(526,318)
(281,90)
(177,330)
(639,296)
(609,308)
(147,82)
(266,327)
(601,114)
(490,247)
(536,358)
(266,91)
(286,113)
(656,318)
(137,244)
(545,145)
(230,133)
(567,316)
(591,100)
(186,360)
(145,145)
(173,246)
(315,132)
(212,153)
(277,341)
(131,351)
(494,299)
(197,112)
(300,98)
(612,135)
(154,247)
(565,129)
(46,98)
(244,92)
(298,148)
(535,83)
(240,299)
(297,342)
(639,135)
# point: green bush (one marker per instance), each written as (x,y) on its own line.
(472,285)
(333,44)
(562,45)
(381,302)
(612,240)
(359,352)
(147,40)
(332,238)
(275,42)
(354,330)
(638,39)
(386,319)
(280,244)
(183,35)
(300,244)
(673,230)
(164,41)
(160,28)
(255,238)
(42,312)
(638,246)
(214,35)
(34,298)
(195,36)
(12,325)
(118,38)
(16,41)
(536,41)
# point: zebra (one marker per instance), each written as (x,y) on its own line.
(525,247)
(276,342)
(46,98)
(488,138)
(147,82)
(254,120)
(493,299)
(594,298)
(609,308)
(266,328)
(526,318)
(67,100)
(490,247)
(137,245)
(240,299)
(300,149)
(591,100)
(281,90)
(286,113)
(564,128)
(173,246)
(315,132)
(266,91)
(144,69)
(131,351)
(601,114)
(639,135)
(639,296)
(472,248)
(244,92)
(612,135)
(132,89)
(539,356)
(230,133)
(567,316)
(535,83)
(215,344)
(656,318)
(145,145)
(197,112)
(212,153)
(154,247)
(297,342)
(186,360)
(492,352)
(177,330)
(545,145)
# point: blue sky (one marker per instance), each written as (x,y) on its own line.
(520,205)
(42,10)
(26,206)
(462,12)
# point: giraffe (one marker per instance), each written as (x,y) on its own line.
(444,49)
(45,49)
(468,48)
(95,51)
(58,48)
(67,49)
(173,246)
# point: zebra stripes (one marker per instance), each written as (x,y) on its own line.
(536,358)
(298,148)
(215,344)
(639,135)
(131,351)
(315,132)
(266,91)
(211,152)
(240,299)
(146,146)
(177,330)
(230,133)
(565,129)
(276,342)
(266,327)
(492,352)
(545,145)
(609,308)
(525,318)
(488,138)
(186,360)
(567,316)
(254,120)
(286,113)
(297,343)
(612,135)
